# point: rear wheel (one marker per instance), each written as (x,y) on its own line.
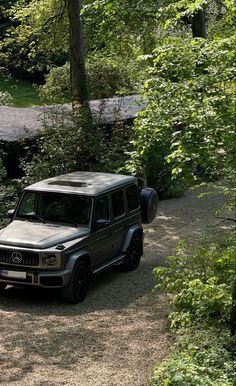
(134,253)
(77,288)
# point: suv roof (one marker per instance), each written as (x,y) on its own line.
(88,183)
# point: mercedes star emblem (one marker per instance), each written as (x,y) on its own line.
(16,257)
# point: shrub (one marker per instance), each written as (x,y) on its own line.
(9,192)
(205,358)
(5,98)
(200,280)
(187,130)
(107,77)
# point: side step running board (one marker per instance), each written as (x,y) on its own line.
(116,261)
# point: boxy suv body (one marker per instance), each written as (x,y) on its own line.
(71,226)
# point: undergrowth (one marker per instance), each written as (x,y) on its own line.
(200,281)
(204,356)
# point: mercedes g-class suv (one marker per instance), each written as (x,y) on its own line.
(71,226)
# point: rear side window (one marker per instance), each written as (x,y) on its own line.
(132,197)
(118,205)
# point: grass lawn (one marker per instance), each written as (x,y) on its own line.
(24,94)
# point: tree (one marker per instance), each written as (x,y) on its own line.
(79,86)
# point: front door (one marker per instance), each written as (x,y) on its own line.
(101,249)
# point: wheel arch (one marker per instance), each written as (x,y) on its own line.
(135,229)
(76,257)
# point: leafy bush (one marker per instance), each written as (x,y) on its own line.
(67,149)
(111,75)
(2,170)
(57,86)
(200,280)
(58,153)
(205,358)
(107,76)
(187,130)
(9,192)
(5,98)
(199,299)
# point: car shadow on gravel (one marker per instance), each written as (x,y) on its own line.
(39,330)
(111,290)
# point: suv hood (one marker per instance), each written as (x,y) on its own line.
(30,234)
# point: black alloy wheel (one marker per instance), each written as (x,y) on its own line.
(134,253)
(77,288)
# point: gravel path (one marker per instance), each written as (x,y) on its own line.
(117,335)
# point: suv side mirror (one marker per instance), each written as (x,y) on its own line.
(11,213)
(101,223)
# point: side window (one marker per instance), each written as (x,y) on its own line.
(132,197)
(118,206)
(101,209)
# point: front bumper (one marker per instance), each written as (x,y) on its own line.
(46,279)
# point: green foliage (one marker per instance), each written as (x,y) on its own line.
(111,75)
(38,37)
(67,149)
(9,192)
(5,98)
(2,170)
(107,77)
(200,280)
(205,358)
(57,85)
(200,299)
(57,154)
(189,120)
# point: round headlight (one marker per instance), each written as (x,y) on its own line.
(50,260)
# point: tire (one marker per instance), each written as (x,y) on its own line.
(77,288)
(149,203)
(134,253)
(2,287)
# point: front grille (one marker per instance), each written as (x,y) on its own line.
(27,258)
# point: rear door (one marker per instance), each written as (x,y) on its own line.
(120,221)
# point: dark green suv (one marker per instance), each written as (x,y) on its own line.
(68,227)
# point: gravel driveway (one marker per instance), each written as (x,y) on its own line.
(117,335)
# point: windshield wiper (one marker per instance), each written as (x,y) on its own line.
(34,216)
(65,219)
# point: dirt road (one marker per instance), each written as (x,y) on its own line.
(117,335)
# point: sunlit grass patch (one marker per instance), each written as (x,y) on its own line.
(23,92)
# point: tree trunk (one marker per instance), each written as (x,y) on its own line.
(199,24)
(79,85)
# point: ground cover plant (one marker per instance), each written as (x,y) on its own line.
(205,357)
(200,280)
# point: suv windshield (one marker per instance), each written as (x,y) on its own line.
(56,207)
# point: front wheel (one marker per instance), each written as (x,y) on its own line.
(134,253)
(77,288)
